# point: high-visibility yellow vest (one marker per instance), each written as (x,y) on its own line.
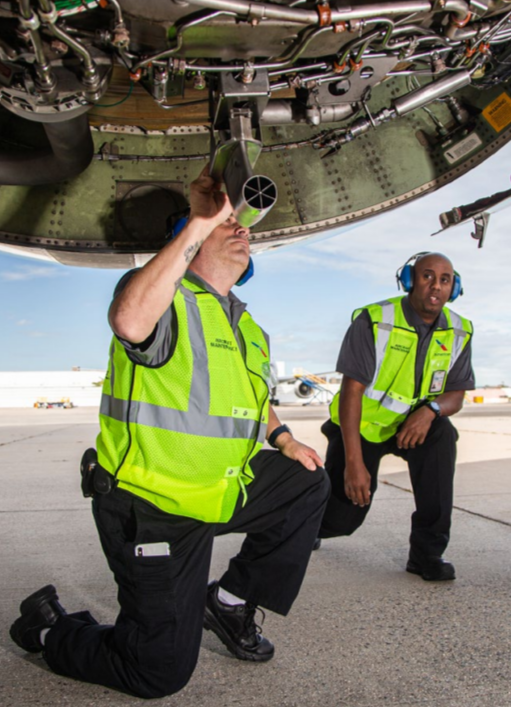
(389,398)
(181,434)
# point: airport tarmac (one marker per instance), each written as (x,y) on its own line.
(362,633)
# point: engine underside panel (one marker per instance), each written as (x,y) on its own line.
(345,118)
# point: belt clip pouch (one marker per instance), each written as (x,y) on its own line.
(87,471)
(103,481)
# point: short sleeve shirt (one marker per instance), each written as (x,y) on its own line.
(357,357)
(157,347)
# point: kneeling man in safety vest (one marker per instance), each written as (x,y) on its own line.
(406,364)
(183,416)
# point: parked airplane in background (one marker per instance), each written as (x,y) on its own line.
(315,114)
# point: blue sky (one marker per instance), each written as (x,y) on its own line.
(54,317)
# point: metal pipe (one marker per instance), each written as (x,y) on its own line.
(30,22)
(49,17)
(261,11)
(118,11)
(383,8)
(366,40)
(296,69)
(269,11)
(279,64)
(179,39)
(289,111)
(460,8)
(426,94)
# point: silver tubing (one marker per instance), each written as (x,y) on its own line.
(91,76)
(118,11)
(43,70)
(269,11)
(426,94)
(383,8)
(457,7)
(179,39)
(279,64)
(290,111)
(261,11)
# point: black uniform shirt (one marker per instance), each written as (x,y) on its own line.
(357,357)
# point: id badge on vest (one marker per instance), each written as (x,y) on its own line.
(437,381)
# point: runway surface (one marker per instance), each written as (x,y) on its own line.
(363,633)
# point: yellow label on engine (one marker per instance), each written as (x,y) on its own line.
(498,112)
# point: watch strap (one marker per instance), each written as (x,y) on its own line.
(434,407)
(276,432)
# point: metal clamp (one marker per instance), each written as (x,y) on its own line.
(51,17)
(31,22)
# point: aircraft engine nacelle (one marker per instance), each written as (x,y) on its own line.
(302,389)
(314,116)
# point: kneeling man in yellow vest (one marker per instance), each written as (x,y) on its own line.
(184,414)
(406,365)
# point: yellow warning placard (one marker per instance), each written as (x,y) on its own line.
(498,112)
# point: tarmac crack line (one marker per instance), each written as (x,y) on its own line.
(46,510)
(458,508)
(24,439)
(484,432)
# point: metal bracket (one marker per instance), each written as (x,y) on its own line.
(481,225)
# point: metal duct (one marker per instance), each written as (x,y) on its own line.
(69,153)
(251,195)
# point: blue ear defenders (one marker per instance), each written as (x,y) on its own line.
(404,277)
(175,228)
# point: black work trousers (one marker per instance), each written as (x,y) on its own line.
(152,649)
(431,467)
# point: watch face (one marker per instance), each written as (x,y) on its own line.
(435,407)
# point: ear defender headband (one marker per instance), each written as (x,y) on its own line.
(174,228)
(405,275)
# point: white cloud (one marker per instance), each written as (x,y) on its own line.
(368,256)
(31,272)
(23,322)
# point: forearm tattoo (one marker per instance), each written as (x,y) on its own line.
(191,251)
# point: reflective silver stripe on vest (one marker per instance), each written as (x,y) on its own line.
(386,401)
(198,423)
(199,389)
(459,337)
(112,367)
(114,408)
(384,330)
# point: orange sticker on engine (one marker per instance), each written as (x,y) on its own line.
(498,112)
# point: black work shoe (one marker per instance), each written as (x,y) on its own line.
(236,628)
(317,544)
(432,569)
(38,611)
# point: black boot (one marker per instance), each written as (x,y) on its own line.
(236,628)
(430,568)
(38,611)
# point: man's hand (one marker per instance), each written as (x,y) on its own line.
(207,202)
(414,429)
(299,452)
(357,484)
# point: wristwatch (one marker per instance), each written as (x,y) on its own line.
(435,407)
(276,432)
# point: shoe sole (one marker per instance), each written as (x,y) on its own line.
(416,570)
(211,624)
(37,599)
